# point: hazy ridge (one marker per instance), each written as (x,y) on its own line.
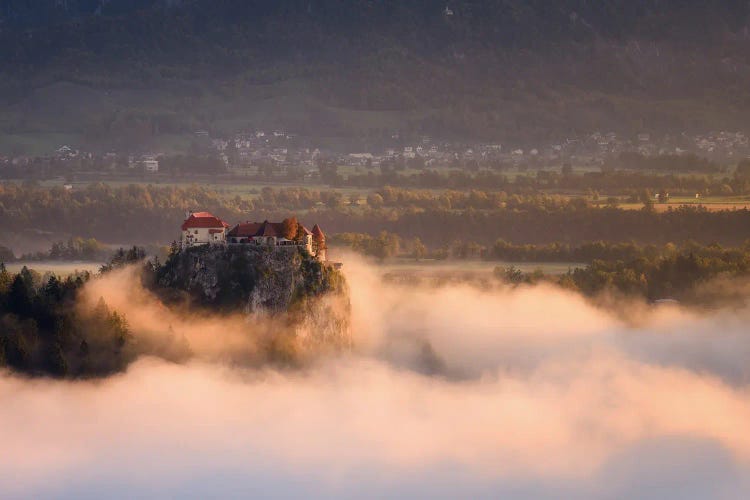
(359,71)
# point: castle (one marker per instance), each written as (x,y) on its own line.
(204,228)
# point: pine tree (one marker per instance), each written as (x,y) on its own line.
(19,298)
(53,289)
(5,279)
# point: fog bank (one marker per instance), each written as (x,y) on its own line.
(449,392)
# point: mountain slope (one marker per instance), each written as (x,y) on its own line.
(361,69)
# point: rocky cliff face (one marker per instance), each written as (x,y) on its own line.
(306,300)
(253,279)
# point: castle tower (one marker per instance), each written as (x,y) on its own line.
(319,243)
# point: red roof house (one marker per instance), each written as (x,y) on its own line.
(205,220)
(200,228)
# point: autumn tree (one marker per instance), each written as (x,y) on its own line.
(420,250)
(290,228)
(375,200)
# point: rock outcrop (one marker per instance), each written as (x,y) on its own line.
(252,278)
(306,299)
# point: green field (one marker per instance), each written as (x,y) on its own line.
(710,203)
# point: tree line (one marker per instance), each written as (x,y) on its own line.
(680,274)
(607,179)
(571,224)
(152,214)
(42,332)
(72,249)
(389,245)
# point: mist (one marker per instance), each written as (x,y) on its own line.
(448,391)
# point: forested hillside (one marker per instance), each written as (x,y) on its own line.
(133,72)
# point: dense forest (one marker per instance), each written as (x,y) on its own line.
(134,72)
(672,276)
(42,332)
(697,276)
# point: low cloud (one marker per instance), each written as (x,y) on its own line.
(449,392)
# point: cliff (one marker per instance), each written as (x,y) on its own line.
(305,301)
(250,278)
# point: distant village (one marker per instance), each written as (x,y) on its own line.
(278,154)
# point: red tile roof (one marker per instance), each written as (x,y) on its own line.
(275,229)
(260,229)
(245,229)
(203,220)
(318,233)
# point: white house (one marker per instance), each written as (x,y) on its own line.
(151,166)
(202,228)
